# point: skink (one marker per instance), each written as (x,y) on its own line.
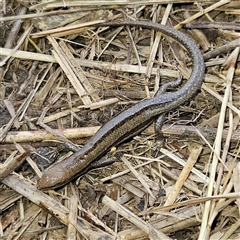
(131,121)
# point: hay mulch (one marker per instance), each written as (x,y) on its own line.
(61,79)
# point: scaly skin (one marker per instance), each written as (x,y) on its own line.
(131,121)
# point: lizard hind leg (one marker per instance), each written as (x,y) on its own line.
(161,118)
(158,130)
(168,85)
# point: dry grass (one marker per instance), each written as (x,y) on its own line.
(61,78)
